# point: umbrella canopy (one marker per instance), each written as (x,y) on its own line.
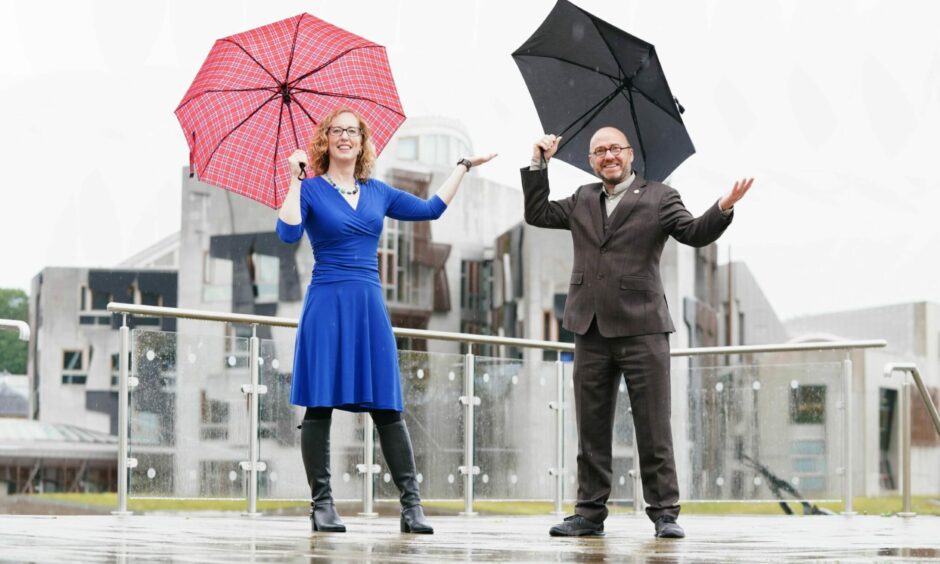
(584,74)
(260,94)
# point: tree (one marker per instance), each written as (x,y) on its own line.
(14,304)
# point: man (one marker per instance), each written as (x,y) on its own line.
(616,308)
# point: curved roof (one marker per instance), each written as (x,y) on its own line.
(28,438)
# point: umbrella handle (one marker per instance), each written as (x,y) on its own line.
(303,171)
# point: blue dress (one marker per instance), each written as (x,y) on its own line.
(345,356)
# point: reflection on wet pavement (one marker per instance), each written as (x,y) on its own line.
(229,538)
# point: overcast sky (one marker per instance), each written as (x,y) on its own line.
(833,106)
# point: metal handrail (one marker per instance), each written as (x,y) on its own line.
(15,325)
(469,399)
(905,430)
(155,311)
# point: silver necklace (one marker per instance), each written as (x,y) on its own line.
(351,192)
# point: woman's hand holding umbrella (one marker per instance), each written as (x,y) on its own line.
(298,164)
(289,211)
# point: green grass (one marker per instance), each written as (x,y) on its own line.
(922,505)
(109,500)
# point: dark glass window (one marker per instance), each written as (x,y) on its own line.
(808,404)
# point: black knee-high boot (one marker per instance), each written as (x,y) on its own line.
(315,450)
(396,446)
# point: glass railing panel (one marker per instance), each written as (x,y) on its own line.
(514,428)
(764,432)
(432,384)
(279,434)
(188,422)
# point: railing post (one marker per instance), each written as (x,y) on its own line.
(368,468)
(469,401)
(558,472)
(848,452)
(123,463)
(905,430)
(254,390)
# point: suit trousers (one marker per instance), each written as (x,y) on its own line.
(643,361)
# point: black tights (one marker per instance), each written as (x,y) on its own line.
(379,416)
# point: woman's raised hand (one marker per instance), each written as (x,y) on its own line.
(297,158)
(477,161)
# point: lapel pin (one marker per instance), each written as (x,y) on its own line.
(637,191)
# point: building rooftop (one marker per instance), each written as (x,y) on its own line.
(27,438)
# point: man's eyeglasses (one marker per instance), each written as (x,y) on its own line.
(600,152)
(350,131)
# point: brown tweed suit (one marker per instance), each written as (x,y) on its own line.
(617,309)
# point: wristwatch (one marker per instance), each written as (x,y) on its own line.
(466,163)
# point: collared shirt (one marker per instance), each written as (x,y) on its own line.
(613,199)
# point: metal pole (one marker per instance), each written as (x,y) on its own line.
(849,467)
(469,401)
(253,398)
(925,395)
(558,472)
(905,405)
(122,465)
(368,468)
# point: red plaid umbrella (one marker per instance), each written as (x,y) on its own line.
(260,94)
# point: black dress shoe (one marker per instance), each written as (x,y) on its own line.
(667,528)
(577,526)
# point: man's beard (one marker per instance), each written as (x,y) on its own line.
(624,174)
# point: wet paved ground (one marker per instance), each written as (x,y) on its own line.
(227,538)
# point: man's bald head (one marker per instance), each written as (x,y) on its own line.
(609,133)
(613,169)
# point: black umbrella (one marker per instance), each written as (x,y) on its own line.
(584,74)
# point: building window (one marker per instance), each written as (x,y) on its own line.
(809,465)
(470,288)
(237,343)
(408,148)
(812,484)
(888,401)
(507,279)
(150,299)
(265,273)
(807,447)
(435,150)
(808,404)
(214,417)
(549,333)
(95,302)
(100,300)
(216,279)
(73,367)
(220,478)
(388,259)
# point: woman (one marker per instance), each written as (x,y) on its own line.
(346,357)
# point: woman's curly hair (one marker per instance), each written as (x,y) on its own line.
(319,150)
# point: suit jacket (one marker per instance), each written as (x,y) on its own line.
(616,277)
